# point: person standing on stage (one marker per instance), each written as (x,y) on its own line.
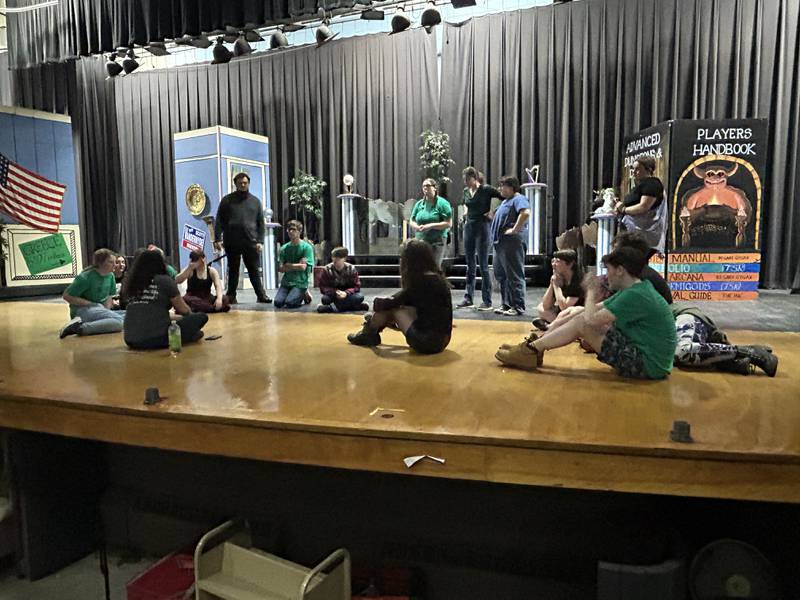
(478,200)
(509,234)
(644,208)
(239,228)
(431,219)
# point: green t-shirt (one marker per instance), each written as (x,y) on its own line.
(171,271)
(91,286)
(291,253)
(645,318)
(436,212)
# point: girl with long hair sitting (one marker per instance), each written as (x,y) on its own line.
(422,310)
(149,293)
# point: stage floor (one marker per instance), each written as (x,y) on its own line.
(288,387)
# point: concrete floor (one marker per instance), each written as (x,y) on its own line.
(79,581)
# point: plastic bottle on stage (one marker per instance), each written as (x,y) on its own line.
(174,334)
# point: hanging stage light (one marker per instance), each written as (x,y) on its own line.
(430,17)
(324,33)
(113,68)
(251,35)
(130,64)
(278,40)
(201,41)
(157,49)
(241,47)
(221,53)
(372,13)
(400,22)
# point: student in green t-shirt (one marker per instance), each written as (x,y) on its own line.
(296,259)
(632,331)
(90,297)
(431,219)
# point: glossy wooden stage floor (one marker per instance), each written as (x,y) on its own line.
(288,387)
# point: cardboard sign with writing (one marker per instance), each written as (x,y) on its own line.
(46,254)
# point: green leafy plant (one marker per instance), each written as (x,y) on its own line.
(434,155)
(305,195)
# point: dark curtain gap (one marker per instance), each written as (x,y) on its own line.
(82,27)
(563,85)
(357,106)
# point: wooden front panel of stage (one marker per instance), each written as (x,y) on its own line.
(288,387)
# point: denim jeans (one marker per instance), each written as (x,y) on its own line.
(97,319)
(351,302)
(289,297)
(476,240)
(509,269)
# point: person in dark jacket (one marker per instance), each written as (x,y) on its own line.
(422,310)
(239,228)
(340,285)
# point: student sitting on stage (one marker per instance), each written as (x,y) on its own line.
(297,263)
(637,240)
(171,271)
(702,345)
(565,288)
(632,331)
(90,298)
(120,268)
(340,286)
(200,277)
(150,293)
(422,310)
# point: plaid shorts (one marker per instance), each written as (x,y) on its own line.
(619,352)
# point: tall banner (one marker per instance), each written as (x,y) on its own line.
(717,195)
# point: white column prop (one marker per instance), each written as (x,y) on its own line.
(606,230)
(349,224)
(270,272)
(535,193)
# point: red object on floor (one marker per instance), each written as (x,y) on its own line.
(171,578)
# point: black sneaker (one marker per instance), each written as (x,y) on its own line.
(465,304)
(71,328)
(363,306)
(307,299)
(540,324)
(502,310)
(365,337)
(485,307)
(261,300)
(324,308)
(232,299)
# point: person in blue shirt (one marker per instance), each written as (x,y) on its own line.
(509,235)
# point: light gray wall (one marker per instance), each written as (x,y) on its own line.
(5,80)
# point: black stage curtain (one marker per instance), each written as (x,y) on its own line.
(82,27)
(563,85)
(355,105)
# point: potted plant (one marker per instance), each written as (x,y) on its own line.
(435,158)
(305,195)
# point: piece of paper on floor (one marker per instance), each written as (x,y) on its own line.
(412,460)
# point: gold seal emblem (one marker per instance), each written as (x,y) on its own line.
(195,199)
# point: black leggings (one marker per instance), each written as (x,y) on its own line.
(191,326)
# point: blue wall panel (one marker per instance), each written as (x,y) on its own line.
(65,171)
(202,145)
(231,145)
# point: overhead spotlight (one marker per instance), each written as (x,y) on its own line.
(324,34)
(241,47)
(184,40)
(278,40)
(130,64)
(200,41)
(372,14)
(231,34)
(221,53)
(157,49)
(113,68)
(430,17)
(462,3)
(400,22)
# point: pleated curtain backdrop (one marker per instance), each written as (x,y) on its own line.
(563,85)
(357,105)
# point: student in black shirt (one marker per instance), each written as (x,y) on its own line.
(422,310)
(478,200)
(644,209)
(565,288)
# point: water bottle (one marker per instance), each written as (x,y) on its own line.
(174,334)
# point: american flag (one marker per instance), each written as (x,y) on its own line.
(30,198)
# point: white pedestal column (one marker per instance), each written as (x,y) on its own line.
(606,230)
(270,272)
(349,220)
(535,194)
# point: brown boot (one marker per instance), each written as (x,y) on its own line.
(529,339)
(522,356)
